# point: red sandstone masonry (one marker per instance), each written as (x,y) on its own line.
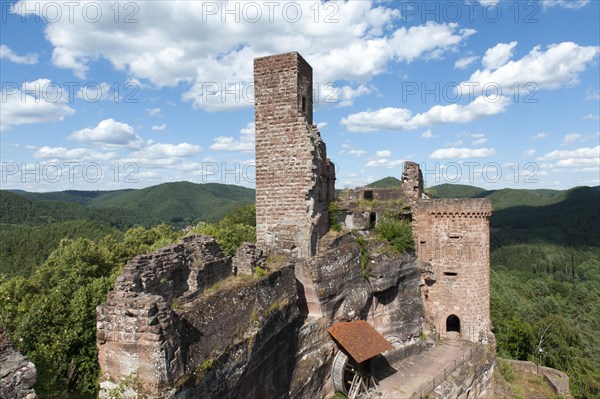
(294,178)
(453,235)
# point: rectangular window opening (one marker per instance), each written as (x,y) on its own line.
(450,274)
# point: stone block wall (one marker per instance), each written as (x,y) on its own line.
(558,380)
(453,235)
(412,182)
(137,328)
(294,178)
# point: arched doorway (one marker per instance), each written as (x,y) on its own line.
(453,323)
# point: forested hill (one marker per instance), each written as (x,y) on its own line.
(180,202)
(32,224)
(386,182)
(175,203)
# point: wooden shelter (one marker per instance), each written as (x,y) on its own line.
(352,370)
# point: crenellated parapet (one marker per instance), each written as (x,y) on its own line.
(468,208)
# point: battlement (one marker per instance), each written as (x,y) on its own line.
(455,207)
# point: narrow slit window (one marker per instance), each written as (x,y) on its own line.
(450,274)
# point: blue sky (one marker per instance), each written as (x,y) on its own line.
(111,95)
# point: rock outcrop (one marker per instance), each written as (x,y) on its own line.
(186,327)
(17,373)
(138,329)
(397,309)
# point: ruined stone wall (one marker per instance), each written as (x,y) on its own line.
(412,182)
(294,178)
(137,328)
(453,235)
(377,194)
(558,380)
(183,341)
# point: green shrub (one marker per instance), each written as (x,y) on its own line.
(228,236)
(260,272)
(334,211)
(398,233)
(506,370)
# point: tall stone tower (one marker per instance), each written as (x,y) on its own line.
(453,235)
(294,178)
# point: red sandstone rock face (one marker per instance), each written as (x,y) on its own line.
(137,328)
(453,235)
(294,178)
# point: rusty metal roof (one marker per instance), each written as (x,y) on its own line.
(359,339)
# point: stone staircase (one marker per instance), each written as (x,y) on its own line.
(452,339)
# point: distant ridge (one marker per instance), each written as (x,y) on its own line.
(174,203)
(386,182)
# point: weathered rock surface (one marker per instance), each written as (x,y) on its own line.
(397,309)
(247,337)
(241,340)
(17,373)
(333,283)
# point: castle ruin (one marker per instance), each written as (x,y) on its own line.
(189,325)
(294,178)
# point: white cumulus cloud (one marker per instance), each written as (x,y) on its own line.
(463,63)
(428,134)
(356,153)
(350,40)
(384,163)
(109,134)
(559,65)
(153,111)
(580,156)
(73,154)
(498,55)
(244,143)
(159,128)
(383,154)
(572,138)
(402,118)
(9,54)
(166,151)
(33,102)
